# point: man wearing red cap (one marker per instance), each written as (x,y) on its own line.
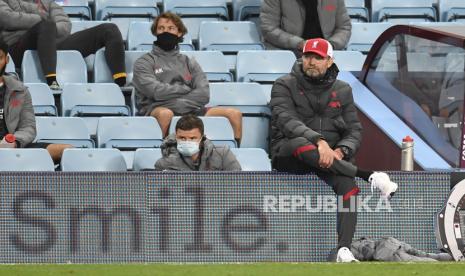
(315,129)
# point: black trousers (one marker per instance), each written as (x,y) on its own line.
(299,156)
(42,37)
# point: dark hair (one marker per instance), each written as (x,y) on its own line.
(169,16)
(189,122)
(3,47)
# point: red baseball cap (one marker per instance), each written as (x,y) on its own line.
(318,46)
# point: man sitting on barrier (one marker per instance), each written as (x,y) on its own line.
(189,150)
(17,114)
(169,83)
(315,129)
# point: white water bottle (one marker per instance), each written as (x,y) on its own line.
(406,163)
(8,141)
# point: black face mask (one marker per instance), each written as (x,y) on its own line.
(167,41)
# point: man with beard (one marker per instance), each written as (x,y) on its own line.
(315,129)
(169,83)
(17,114)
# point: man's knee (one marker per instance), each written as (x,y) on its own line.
(233,113)
(162,113)
(110,28)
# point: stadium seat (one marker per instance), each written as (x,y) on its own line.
(250,99)
(10,67)
(229,37)
(76,9)
(403,11)
(193,25)
(266,88)
(102,72)
(244,10)
(144,159)
(349,60)
(217,129)
(198,8)
(122,13)
(128,133)
(42,99)
(213,64)
(357,10)
(452,10)
(71,67)
(140,38)
(91,101)
(93,160)
(263,66)
(365,34)
(252,159)
(26,160)
(66,130)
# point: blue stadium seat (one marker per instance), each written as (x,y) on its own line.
(128,133)
(26,160)
(213,63)
(217,129)
(229,37)
(140,38)
(76,9)
(66,130)
(365,34)
(403,11)
(252,159)
(358,14)
(71,67)
(102,72)
(198,8)
(193,25)
(357,10)
(144,159)
(263,66)
(91,101)
(452,10)
(93,160)
(246,9)
(250,99)
(42,99)
(122,13)
(10,67)
(349,60)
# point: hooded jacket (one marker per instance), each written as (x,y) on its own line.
(282,23)
(301,108)
(212,158)
(169,79)
(18,16)
(19,113)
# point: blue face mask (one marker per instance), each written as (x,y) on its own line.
(188,148)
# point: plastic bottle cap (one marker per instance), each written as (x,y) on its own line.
(10,138)
(407,139)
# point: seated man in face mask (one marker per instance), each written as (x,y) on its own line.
(169,83)
(189,150)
